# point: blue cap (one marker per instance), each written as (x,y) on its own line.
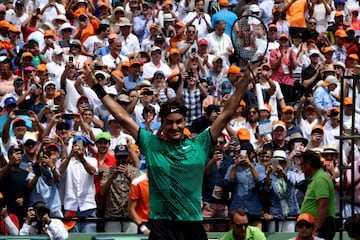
(86,141)
(226,87)
(121,150)
(10,101)
(339,1)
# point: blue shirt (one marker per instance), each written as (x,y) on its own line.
(227,16)
(323,99)
(246,194)
(130,82)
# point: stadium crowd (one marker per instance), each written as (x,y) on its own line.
(63,154)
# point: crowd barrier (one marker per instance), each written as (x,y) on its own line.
(127,236)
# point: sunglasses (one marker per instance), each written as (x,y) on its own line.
(148,93)
(312,23)
(190,32)
(272,30)
(156,53)
(307,225)
(28,71)
(252,112)
(329,154)
(62,128)
(29,143)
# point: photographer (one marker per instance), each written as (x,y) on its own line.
(44,178)
(244,178)
(115,185)
(38,222)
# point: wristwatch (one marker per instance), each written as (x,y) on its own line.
(83,160)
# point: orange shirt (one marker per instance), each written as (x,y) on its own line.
(139,191)
(295,15)
(90,30)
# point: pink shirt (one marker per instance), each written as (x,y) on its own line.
(283,74)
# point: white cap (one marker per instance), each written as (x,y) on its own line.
(111,90)
(29,136)
(254,8)
(313,51)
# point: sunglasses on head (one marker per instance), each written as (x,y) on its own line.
(30,143)
(304,224)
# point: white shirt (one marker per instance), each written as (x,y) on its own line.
(71,96)
(131,44)
(121,140)
(306,127)
(219,44)
(92,41)
(110,61)
(149,69)
(199,23)
(50,13)
(79,185)
(330,133)
(54,72)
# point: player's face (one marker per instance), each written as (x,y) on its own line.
(174,125)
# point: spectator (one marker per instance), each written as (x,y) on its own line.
(244,178)
(78,173)
(312,116)
(205,121)
(43,224)
(16,190)
(278,135)
(352,226)
(138,204)
(155,64)
(319,201)
(219,42)
(322,96)
(115,185)
(287,116)
(305,220)
(224,14)
(282,202)
(283,62)
(240,229)
(130,42)
(199,19)
(8,220)
(215,197)
(134,78)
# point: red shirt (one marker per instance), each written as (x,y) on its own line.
(3,229)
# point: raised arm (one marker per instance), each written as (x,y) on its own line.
(231,105)
(115,109)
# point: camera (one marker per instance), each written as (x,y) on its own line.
(190,75)
(82,18)
(193,50)
(19,112)
(71,58)
(68,116)
(333,113)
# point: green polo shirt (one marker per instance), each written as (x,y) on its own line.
(320,186)
(252,233)
(175,175)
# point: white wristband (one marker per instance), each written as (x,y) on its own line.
(143,228)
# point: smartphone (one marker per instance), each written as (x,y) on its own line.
(297,146)
(19,112)
(71,58)
(243,153)
(97,67)
(54,140)
(193,50)
(82,18)
(38,11)
(68,116)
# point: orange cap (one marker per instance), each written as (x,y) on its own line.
(173,74)
(268,106)
(283,36)
(49,33)
(180,24)
(354,56)
(152,26)
(287,108)
(13,28)
(80,11)
(272,26)
(340,33)
(223,3)
(41,67)
(243,134)
(125,64)
(266,65)
(317,127)
(233,69)
(173,51)
(4,24)
(27,54)
(306,217)
(168,2)
(339,14)
(103,4)
(348,101)
(328,49)
(349,29)
(1,195)
(133,62)
(118,73)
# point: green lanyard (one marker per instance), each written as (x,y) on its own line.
(281,185)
